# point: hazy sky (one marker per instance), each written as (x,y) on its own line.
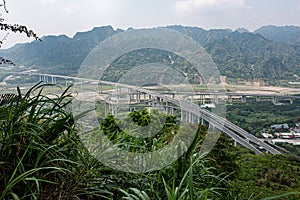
(54,17)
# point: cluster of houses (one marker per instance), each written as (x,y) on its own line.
(282,131)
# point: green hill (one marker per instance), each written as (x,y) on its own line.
(270,54)
(251,57)
(287,34)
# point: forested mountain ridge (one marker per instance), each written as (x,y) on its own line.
(269,53)
(287,34)
(250,56)
(58,54)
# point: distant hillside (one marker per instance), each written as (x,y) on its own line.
(287,34)
(269,54)
(58,54)
(242,30)
(200,35)
(252,57)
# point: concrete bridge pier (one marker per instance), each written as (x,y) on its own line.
(244,99)
(216,99)
(99,88)
(138,97)
(211,127)
(107,108)
(202,99)
(274,99)
(115,111)
(167,108)
(190,117)
(186,117)
(172,111)
(183,116)
(111,109)
(235,143)
(200,120)
(257,98)
(42,78)
(53,80)
(229,99)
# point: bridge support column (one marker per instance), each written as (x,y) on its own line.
(257,99)
(138,99)
(244,99)
(166,108)
(149,106)
(274,99)
(211,127)
(202,99)
(190,119)
(115,111)
(202,121)
(216,99)
(107,109)
(187,117)
(99,88)
(229,98)
(131,98)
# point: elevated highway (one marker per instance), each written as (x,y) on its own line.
(238,134)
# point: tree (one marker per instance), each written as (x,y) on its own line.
(15,28)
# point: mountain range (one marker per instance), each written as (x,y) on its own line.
(270,54)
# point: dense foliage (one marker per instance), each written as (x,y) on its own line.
(255,116)
(123,64)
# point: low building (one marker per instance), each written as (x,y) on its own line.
(296,130)
(288,135)
(279,126)
(296,135)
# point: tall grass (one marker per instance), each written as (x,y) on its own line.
(42,157)
(188,178)
(40,151)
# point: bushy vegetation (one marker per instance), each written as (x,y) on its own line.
(255,116)
(42,157)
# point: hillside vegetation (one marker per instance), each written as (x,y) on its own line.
(269,54)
